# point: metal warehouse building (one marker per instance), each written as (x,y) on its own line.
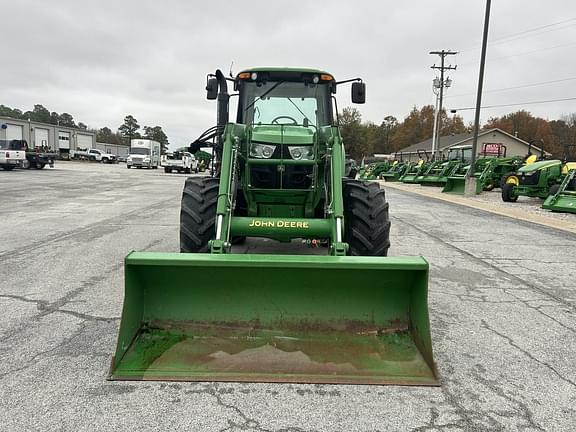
(60,139)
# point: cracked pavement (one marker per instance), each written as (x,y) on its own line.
(502,305)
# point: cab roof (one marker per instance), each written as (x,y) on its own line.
(280,71)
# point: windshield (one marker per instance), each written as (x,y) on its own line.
(456,154)
(139,151)
(11,145)
(288,103)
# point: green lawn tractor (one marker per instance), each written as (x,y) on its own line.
(396,170)
(414,170)
(538,179)
(563,198)
(209,313)
(374,170)
(437,173)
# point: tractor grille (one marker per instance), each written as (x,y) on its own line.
(529,180)
(137,160)
(293,177)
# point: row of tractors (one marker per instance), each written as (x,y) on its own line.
(553,180)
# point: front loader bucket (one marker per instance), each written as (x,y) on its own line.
(263,318)
(454,185)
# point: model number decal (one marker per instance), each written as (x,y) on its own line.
(278,224)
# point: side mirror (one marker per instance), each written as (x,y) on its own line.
(358,92)
(212,89)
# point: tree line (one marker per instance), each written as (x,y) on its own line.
(367,138)
(128,130)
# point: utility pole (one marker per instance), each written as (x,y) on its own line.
(443,54)
(470,185)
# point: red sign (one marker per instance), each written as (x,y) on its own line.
(492,149)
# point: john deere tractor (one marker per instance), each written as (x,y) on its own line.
(212,314)
(537,179)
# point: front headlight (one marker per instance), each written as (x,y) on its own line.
(301,153)
(147,159)
(128,159)
(262,151)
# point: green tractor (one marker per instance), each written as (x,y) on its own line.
(395,171)
(538,179)
(489,169)
(211,314)
(374,170)
(415,170)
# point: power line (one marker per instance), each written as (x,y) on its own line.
(525,53)
(516,104)
(523,32)
(517,87)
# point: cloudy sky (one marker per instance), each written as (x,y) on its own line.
(101,60)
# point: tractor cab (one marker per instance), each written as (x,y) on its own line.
(287,123)
(460,153)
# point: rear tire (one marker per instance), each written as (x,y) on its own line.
(367,225)
(508,193)
(8,167)
(167,170)
(39,165)
(198,214)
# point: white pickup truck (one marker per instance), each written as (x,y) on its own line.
(12,154)
(180,161)
(94,155)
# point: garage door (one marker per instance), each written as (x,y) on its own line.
(63,140)
(13,132)
(40,137)
(84,141)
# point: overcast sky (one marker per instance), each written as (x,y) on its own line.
(101,60)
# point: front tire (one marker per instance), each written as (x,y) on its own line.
(508,194)
(367,225)
(167,170)
(198,214)
(8,167)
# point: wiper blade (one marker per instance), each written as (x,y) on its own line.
(298,108)
(266,93)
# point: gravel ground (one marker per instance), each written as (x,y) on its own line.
(502,304)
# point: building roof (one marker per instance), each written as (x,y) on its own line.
(445,141)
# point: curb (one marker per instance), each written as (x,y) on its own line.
(488,207)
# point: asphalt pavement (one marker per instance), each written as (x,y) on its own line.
(502,305)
